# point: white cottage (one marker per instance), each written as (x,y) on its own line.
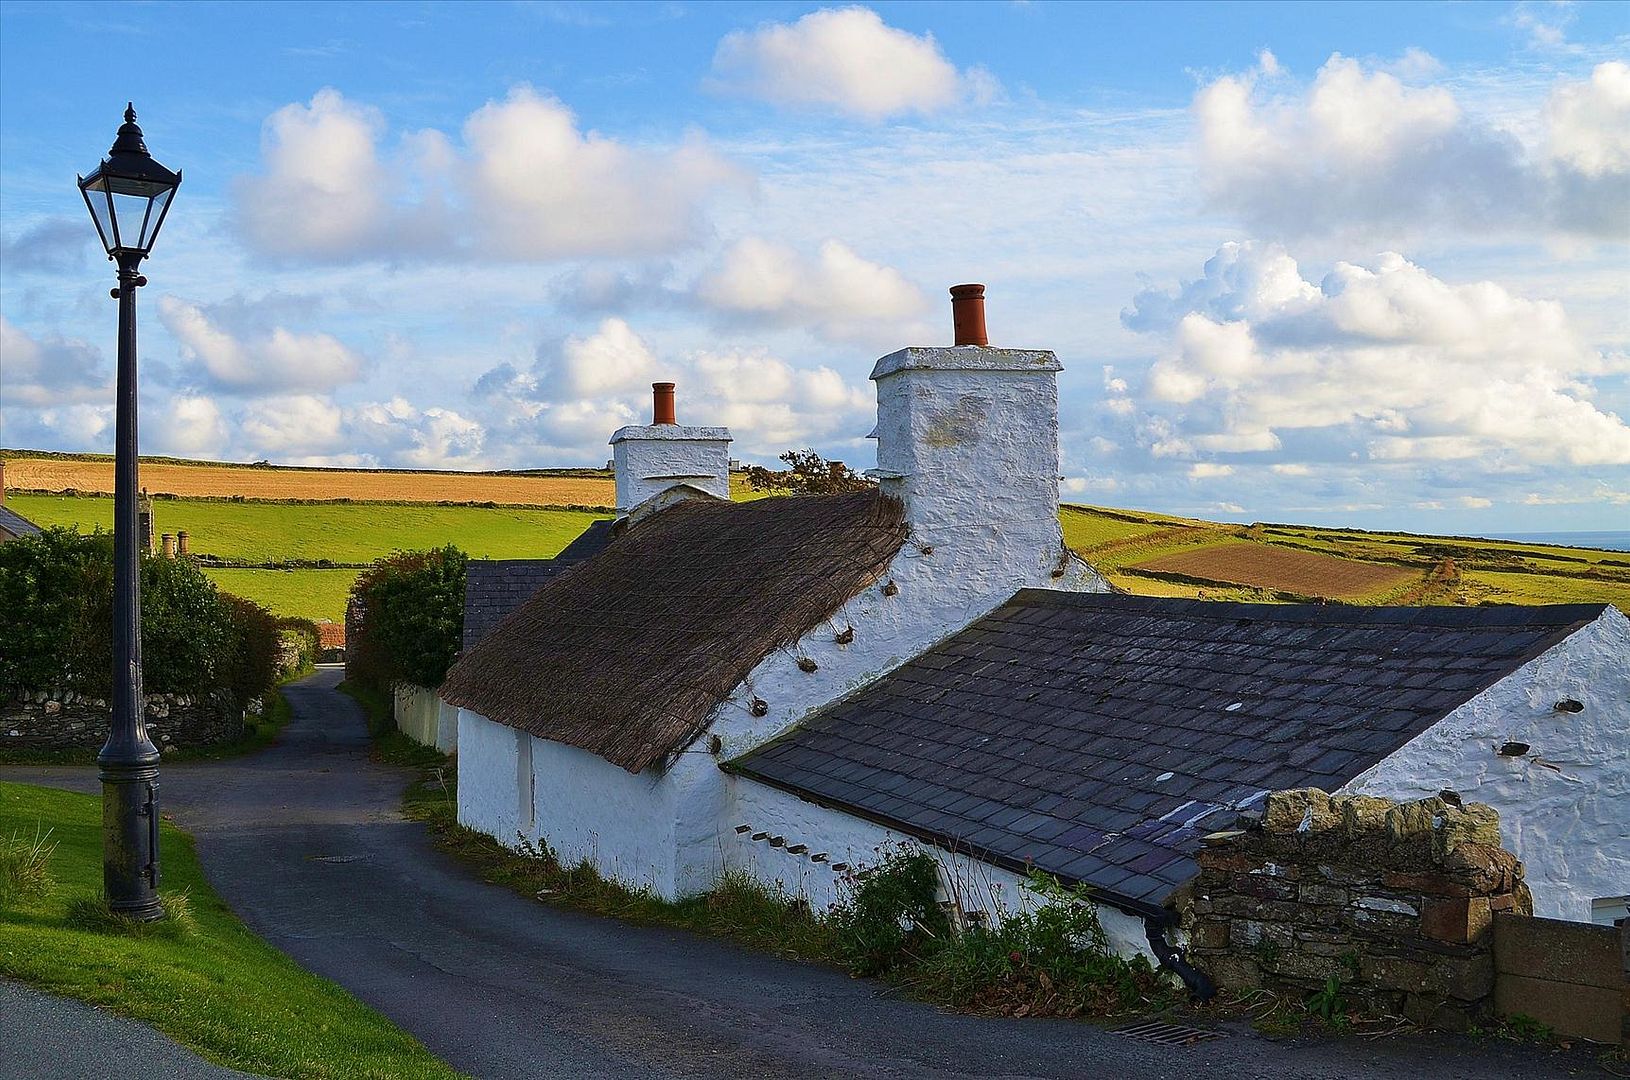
(790,685)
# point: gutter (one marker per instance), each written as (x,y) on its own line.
(1199,984)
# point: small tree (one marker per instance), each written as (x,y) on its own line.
(807,473)
(413,617)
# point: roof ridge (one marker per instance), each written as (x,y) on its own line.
(1480,615)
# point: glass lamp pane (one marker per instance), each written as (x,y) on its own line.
(129,213)
(155,217)
(101,214)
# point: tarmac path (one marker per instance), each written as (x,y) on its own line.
(306,842)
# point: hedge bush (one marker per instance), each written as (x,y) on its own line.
(195,639)
(412,624)
(301,641)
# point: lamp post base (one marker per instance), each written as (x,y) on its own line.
(130,822)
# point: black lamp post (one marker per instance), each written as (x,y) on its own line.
(128,195)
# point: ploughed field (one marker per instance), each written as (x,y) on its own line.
(1310,573)
(1160,555)
(300,557)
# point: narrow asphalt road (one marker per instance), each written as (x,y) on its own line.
(44,1037)
(306,842)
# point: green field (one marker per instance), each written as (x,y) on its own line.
(1132,548)
(307,594)
(358,533)
(259,532)
(207,982)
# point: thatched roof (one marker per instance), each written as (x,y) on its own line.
(629,653)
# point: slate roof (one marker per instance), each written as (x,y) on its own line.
(1099,736)
(628,655)
(495,587)
(15,525)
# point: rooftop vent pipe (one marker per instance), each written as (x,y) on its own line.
(662,403)
(968,314)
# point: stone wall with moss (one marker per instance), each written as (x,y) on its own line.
(66,720)
(1394,901)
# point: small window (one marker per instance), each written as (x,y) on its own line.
(1610,910)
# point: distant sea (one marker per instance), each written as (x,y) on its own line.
(1608,541)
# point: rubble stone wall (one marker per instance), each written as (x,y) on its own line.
(64,720)
(1394,901)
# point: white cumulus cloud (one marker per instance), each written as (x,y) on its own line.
(847,61)
(1590,122)
(836,293)
(527,184)
(1360,149)
(565,407)
(1384,362)
(279,360)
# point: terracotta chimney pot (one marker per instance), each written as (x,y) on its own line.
(968,314)
(662,403)
(181,546)
(167,545)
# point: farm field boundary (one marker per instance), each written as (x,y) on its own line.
(1283,569)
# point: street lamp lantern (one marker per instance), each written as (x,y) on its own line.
(129,196)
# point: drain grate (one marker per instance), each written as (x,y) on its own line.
(1164,1034)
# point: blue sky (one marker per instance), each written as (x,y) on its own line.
(1351,263)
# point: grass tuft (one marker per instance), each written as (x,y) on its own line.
(89,912)
(25,865)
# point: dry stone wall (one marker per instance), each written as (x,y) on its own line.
(1392,900)
(65,720)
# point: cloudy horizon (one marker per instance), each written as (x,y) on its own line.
(1298,265)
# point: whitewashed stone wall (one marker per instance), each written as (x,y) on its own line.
(1564,804)
(857,844)
(425,718)
(649,459)
(489,771)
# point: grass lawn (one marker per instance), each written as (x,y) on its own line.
(346,533)
(205,981)
(308,594)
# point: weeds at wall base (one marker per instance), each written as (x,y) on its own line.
(1049,962)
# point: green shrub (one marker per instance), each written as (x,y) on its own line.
(1050,958)
(191,641)
(195,639)
(412,624)
(890,912)
(301,644)
(49,576)
(256,645)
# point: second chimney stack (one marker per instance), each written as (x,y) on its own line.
(662,403)
(968,314)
